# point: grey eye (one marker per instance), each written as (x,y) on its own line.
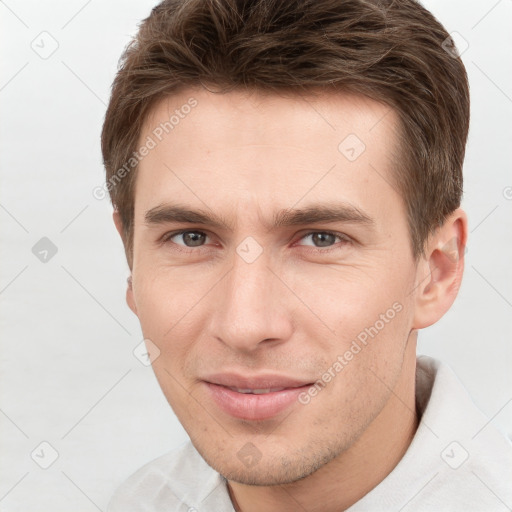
(322,239)
(191,238)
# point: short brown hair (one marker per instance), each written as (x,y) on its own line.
(392,51)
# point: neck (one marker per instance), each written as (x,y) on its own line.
(347,478)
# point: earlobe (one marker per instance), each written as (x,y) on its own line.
(122,233)
(118,223)
(440,272)
(130,299)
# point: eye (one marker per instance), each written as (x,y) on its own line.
(190,238)
(194,238)
(325,239)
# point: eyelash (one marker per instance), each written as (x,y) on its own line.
(344,240)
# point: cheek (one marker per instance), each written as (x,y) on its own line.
(166,299)
(344,302)
(326,301)
(166,316)
(369,318)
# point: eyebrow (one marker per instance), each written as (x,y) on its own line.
(325,212)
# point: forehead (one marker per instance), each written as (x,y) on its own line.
(235,149)
(253,116)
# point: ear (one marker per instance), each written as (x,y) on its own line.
(119,224)
(130,299)
(440,270)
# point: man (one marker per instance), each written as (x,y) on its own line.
(287,178)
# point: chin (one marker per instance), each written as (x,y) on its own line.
(275,470)
(267,475)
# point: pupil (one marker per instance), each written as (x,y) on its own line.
(193,237)
(321,238)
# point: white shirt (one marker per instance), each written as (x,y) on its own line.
(457,461)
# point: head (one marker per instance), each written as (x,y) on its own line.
(311,155)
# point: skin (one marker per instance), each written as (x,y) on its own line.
(292,311)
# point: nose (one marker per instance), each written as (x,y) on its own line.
(254,307)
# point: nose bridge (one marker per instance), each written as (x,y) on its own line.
(250,305)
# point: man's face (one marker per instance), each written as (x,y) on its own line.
(251,304)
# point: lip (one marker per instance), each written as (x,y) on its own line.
(254,407)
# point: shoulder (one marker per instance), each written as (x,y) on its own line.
(178,481)
(471,464)
(457,460)
(474,457)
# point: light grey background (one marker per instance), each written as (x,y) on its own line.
(68,374)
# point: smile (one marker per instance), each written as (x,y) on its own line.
(254,398)
(257,391)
